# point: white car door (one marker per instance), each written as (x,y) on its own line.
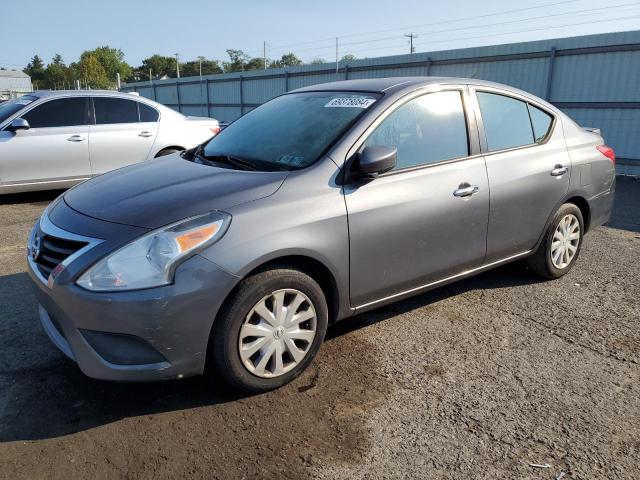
(118,137)
(54,149)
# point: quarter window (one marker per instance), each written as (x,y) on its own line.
(506,121)
(147,113)
(541,122)
(427,129)
(61,112)
(115,110)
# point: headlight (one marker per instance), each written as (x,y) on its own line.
(151,260)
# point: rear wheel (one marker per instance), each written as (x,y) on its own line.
(561,244)
(270,330)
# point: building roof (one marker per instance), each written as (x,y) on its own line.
(13,74)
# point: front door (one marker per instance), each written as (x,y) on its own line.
(427,219)
(55,148)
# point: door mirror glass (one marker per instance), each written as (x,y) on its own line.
(376,159)
(18,124)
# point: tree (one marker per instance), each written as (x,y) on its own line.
(57,60)
(348,58)
(90,72)
(237,61)
(35,69)
(255,64)
(287,60)
(318,61)
(192,68)
(159,66)
(111,60)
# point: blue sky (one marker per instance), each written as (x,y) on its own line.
(198,27)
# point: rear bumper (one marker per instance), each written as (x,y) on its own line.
(601,207)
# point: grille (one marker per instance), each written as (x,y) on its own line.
(54,251)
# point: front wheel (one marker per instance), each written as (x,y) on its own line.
(561,244)
(270,330)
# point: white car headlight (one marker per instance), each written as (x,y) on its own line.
(150,260)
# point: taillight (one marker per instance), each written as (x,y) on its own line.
(607,152)
(215,130)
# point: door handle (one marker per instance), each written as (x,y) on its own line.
(559,170)
(75,138)
(145,134)
(466,190)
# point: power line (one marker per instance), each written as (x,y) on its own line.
(509,22)
(453,20)
(504,33)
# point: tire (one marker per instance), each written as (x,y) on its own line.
(545,261)
(233,341)
(167,151)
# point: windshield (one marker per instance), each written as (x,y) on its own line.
(12,106)
(289,132)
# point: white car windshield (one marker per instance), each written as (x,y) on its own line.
(12,106)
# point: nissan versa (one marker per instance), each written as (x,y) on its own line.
(322,203)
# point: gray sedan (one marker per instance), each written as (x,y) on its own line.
(323,203)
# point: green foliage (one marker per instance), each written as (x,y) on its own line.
(112,62)
(90,72)
(237,61)
(318,61)
(192,68)
(348,58)
(159,65)
(35,69)
(287,60)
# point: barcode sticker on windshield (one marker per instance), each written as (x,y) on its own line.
(350,102)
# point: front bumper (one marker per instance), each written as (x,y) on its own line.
(153,334)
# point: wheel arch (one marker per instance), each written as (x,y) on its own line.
(168,147)
(584,207)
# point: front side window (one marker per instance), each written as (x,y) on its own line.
(61,112)
(506,121)
(427,129)
(13,106)
(291,131)
(115,110)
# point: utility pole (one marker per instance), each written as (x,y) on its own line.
(337,61)
(150,77)
(411,36)
(177,66)
(264,54)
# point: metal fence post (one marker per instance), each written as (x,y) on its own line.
(206,85)
(153,89)
(346,72)
(286,80)
(178,93)
(552,61)
(427,68)
(240,78)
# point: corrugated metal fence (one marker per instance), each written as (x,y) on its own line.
(594,78)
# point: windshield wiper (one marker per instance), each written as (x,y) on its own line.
(228,159)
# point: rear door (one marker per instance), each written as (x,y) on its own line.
(416,225)
(123,133)
(528,168)
(55,148)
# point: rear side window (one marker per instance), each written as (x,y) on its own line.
(61,112)
(540,121)
(147,113)
(427,129)
(506,121)
(115,110)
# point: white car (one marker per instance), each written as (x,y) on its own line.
(51,140)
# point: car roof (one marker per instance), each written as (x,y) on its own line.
(380,85)
(79,93)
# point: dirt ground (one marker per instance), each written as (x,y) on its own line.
(479,379)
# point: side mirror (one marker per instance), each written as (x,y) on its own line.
(376,159)
(18,124)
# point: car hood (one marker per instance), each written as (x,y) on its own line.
(165,190)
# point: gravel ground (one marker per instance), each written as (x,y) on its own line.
(479,379)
